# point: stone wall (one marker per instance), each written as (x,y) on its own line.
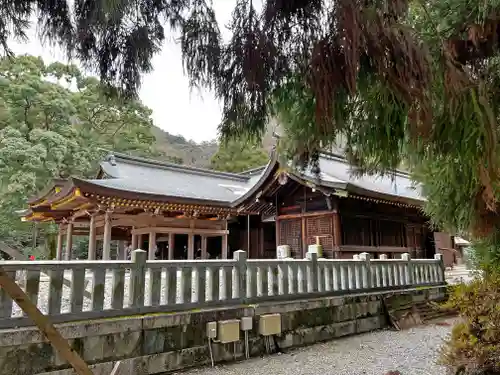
(157,343)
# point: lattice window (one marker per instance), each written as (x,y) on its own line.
(290,231)
(321,226)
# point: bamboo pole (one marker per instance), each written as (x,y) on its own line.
(44,324)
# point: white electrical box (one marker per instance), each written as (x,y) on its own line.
(228,331)
(246,323)
(270,324)
(212,330)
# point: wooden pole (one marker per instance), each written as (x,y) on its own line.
(69,241)
(135,240)
(92,239)
(106,242)
(203,247)
(44,324)
(224,243)
(171,244)
(191,246)
(152,245)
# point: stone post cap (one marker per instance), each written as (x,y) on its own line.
(312,255)
(406,256)
(365,256)
(240,255)
(139,256)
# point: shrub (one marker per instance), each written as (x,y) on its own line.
(474,345)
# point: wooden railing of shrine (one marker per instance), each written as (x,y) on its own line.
(122,288)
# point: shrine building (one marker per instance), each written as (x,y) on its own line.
(180,212)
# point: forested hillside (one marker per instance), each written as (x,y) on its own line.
(178,149)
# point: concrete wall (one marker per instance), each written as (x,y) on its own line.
(154,344)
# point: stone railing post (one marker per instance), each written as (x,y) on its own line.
(367,272)
(137,280)
(409,280)
(240,257)
(441,276)
(312,270)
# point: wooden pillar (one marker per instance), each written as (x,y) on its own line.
(248,235)
(106,241)
(69,240)
(224,246)
(260,254)
(203,247)
(191,246)
(121,251)
(134,243)
(152,245)
(277,225)
(171,244)
(224,243)
(92,240)
(303,234)
(337,232)
(59,250)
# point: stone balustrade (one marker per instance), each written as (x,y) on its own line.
(119,288)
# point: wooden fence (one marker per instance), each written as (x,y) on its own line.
(121,288)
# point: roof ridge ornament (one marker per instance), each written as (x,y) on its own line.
(111,159)
(282,178)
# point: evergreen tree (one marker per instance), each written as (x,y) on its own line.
(55,123)
(238,156)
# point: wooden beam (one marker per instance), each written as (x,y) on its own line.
(308,214)
(148,219)
(208,232)
(44,324)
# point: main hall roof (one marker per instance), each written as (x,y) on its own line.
(137,182)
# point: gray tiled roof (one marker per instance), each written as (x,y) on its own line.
(143,176)
(149,177)
(336,171)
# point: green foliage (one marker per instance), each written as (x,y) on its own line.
(54,123)
(474,345)
(398,80)
(182,151)
(238,156)
(117,39)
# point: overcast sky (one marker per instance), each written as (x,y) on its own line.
(176,108)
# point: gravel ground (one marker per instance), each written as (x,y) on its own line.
(411,352)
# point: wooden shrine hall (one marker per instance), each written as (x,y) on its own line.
(180,212)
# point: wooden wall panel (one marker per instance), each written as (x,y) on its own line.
(290,233)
